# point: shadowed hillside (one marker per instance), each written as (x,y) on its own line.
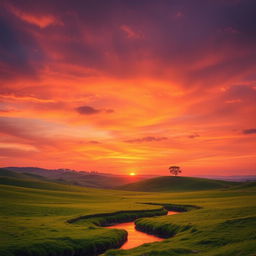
(29,180)
(72,177)
(177,184)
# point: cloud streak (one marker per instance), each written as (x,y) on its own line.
(88,110)
(147,139)
(249,131)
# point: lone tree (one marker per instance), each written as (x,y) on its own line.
(175,170)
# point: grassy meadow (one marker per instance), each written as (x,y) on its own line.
(35,220)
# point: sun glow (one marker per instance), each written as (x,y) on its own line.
(132,173)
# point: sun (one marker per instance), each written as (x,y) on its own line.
(132,173)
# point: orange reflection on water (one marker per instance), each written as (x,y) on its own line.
(135,237)
(171,213)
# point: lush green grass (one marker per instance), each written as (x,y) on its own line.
(34,221)
(29,180)
(176,184)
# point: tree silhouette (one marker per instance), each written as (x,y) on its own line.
(175,170)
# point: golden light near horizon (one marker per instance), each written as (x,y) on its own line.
(132,173)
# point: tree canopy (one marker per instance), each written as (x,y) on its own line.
(175,170)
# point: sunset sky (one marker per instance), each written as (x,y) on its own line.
(126,86)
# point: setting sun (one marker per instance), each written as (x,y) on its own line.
(132,173)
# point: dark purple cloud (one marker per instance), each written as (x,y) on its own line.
(88,110)
(175,34)
(20,52)
(192,136)
(147,139)
(249,131)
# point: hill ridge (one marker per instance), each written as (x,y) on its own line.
(177,184)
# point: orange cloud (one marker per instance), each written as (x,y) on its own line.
(42,21)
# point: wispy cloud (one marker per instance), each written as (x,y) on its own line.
(147,139)
(249,131)
(195,135)
(88,110)
(41,20)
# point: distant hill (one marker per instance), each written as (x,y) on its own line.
(7,173)
(177,184)
(111,181)
(230,178)
(72,177)
(28,180)
(160,184)
(245,185)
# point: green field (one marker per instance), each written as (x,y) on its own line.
(35,218)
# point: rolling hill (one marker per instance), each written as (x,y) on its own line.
(177,184)
(28,180)
(72,177)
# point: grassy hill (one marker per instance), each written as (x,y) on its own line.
(177,184)
(7,173)
(29,180)
(71,177)
(159,184)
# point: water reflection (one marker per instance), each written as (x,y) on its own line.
(171,213)
(135,237)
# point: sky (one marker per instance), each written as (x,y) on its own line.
(126,86)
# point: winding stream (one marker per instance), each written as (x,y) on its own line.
(135,237)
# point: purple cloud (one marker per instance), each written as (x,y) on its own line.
(192,136)
(249,131)
(147,139)
(88,110)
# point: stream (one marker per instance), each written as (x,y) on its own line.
(135,237)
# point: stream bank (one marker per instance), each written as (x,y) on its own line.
(111,219)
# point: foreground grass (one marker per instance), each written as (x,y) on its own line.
(34,222)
